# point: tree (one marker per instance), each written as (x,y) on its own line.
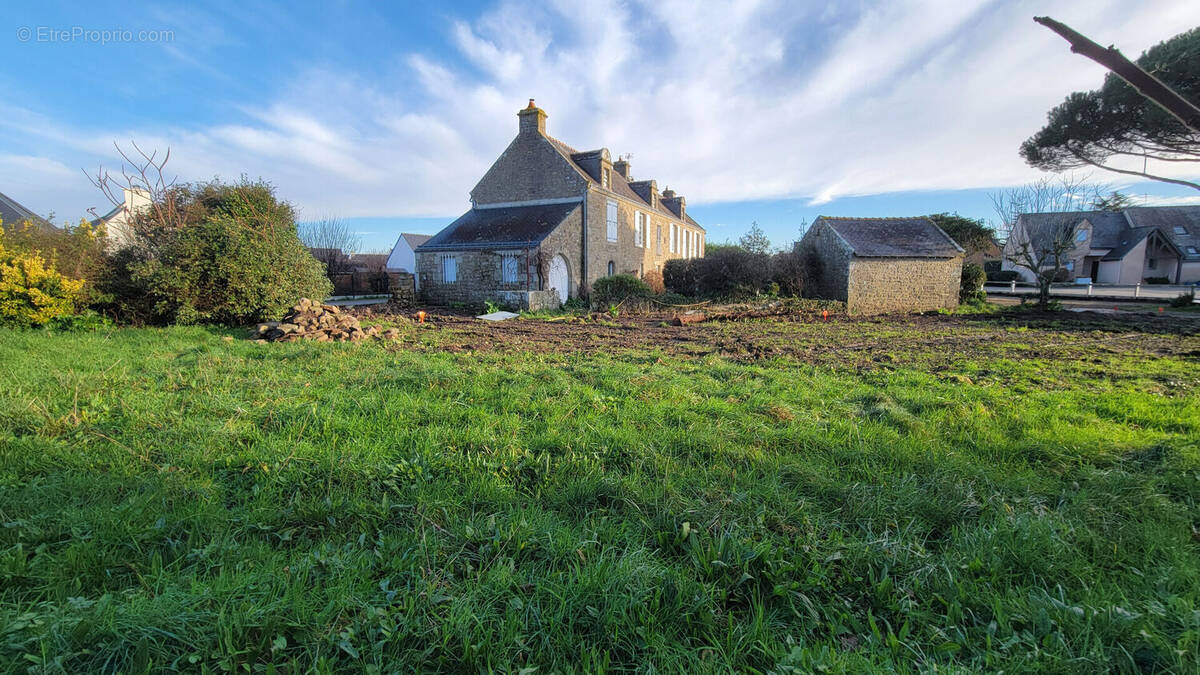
(1114,201)
(1044,246)
(206,252)
(973,235)
(331,241)
(1065,192)
(1138,122)
(755,241)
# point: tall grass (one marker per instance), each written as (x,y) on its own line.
(170,500)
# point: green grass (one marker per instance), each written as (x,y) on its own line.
(170,500)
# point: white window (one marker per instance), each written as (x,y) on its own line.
(674,238)
(1179,229)
(612,221)
(1082,236)
(1192,250)
(509,268)
(658,239)
(605,178)
(700,251)
(639,229)
(449,268)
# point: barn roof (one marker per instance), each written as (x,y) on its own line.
(893,237)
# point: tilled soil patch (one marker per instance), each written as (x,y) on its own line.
(840,340)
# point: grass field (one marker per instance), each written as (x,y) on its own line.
(940,493)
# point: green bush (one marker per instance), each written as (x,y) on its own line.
(619,288)
(221,254)
(679,276)
(790,271)
(1157,280)
(1004,276)
(732,271)
(970,288)
(1184,299)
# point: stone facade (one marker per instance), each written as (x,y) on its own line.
(878,284)
(536,171)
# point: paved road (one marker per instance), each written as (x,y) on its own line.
(1145,292)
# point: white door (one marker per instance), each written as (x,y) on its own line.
(559,280)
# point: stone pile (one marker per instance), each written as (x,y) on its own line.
(311,320)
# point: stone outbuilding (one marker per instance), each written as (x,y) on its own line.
(878,265)
(547,220)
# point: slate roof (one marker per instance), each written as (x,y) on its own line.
(415,240)
(1120,231)
(13,213)
(1130,240)
(1109,228)
(1167,218)
(893,237)
(510,226)
(617,182)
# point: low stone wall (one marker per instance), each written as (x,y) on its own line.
(403,287)
(534,301)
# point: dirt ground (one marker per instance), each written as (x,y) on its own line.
(810,338)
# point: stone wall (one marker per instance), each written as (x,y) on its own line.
(529,169)
(627,257)
(878,285)
(403,288)
(832,269)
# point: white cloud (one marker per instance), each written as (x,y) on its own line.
(749,99)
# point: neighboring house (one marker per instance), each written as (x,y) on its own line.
(878,265)
(403,257)
(13,214)
(546,221)
(992,253)
(368,262)
(117,221)
(1121,247)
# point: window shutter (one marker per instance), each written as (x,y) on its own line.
(612,221)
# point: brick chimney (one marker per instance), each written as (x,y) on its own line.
(675,203)
(621,166)
(532,120)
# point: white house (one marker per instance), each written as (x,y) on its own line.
(402,258)
(117,220)
(1122,247)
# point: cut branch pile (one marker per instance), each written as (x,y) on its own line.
(311,320)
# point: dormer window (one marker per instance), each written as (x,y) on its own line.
(1179,229)
(1082,236)
(606,178)
(1192,250)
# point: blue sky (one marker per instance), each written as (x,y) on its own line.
(386,114)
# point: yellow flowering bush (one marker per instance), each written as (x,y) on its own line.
(33,293)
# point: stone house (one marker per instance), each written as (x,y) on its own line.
(878,265)
(1121,247)
(546,221)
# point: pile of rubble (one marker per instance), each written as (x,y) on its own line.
(311,320)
